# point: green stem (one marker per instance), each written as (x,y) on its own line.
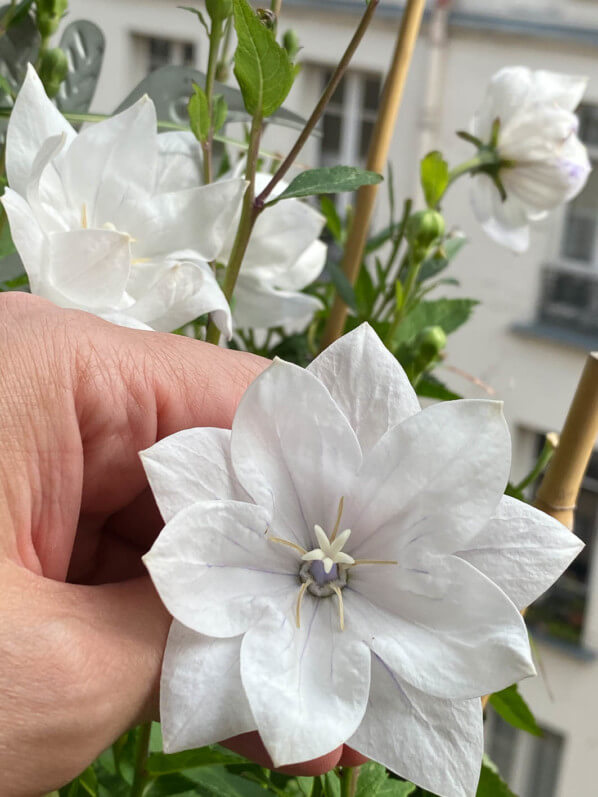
(414,267)
(215,37)
(140,777)
(222,67)
(541,464)
(249,213)
(487,156)
(348,779)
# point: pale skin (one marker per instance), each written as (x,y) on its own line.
(82,630)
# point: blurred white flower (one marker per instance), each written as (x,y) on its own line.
(102,225)
(383,635)
(545,162)
(284,254)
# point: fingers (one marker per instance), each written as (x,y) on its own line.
(78,667)
(251,746)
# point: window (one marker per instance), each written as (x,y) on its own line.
(529,764)
(163,52)
(559,613)
(348,121)
(569,295)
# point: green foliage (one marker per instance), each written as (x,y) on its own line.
(333,220)
(332,180)
(163,763)
(344,288)
(199,16)
(512,707)
(219,112)
(374,781)
(262,67)
(491,784)
(449,314)
(199,114)
(219,10)
(441,258)
(430,386)
(434,172)
(52,70)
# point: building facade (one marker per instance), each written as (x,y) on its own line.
(539,311)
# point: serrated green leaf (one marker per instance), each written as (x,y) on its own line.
(263,68)
(371,778)
(431,387)
(449,314)
(164,763)
(396,788)
(491,784)
(334,180)
(220,112)
(434,172)
(198,14)
(513,709)
(342,285)
(199,113)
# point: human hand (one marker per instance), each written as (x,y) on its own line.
(82,630)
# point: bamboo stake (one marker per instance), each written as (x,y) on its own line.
(557,495)
(560,486)
(377,158)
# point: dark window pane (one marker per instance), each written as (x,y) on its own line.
(367,129)
(579,236)
(188,54)
(371,93)
(502,744)
(331,140)
(160,53)
(545,762)
(588,123)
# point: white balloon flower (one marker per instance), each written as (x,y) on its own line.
(544,162)
(102,226)
(284,254)
(343,567)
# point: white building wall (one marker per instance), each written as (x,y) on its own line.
(536,378)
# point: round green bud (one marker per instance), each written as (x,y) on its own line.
(219,9)
(48,15)
(53,69)
(431,341)
(290,42)
(424,227)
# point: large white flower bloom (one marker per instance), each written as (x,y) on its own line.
(548,165)
(284,254)
(103,226)
(338,569)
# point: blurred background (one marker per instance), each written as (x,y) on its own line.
(539,312)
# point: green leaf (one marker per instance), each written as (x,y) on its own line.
(512,707)
(380,238)
(396,788)
(449,314)
(173,783)
(333,221)
(163,763)
(431,387)
(332,180)
(217,782)
(110,785)
(365,293)
(263,68)
(199,15)
(199,113)
(89,782)
(434,173)
(342,285)
(371,779)
(331,785)
(491,784)
(441,258)
(220,112)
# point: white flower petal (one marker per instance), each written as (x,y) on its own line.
(26,233)
(307,687)
(196,218)
(89,267)
(189,466)
(45,192)
(216,569)
(505,222)
(522,550)
(433,481)
(260,306)
(293,451)
(508,91)
(122,320)
(181,292)
(201,695)
(467,643)
(113,161)
(305,270)
(179,162)
(34,119)
(566,91)
(367,383)
(434,743)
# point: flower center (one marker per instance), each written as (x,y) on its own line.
(324,569)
